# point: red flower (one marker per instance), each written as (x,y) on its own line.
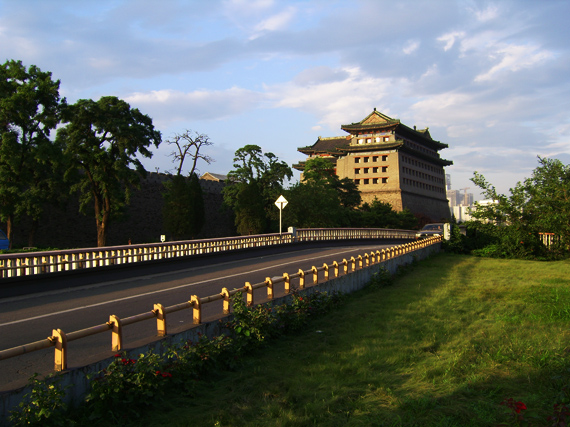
(519,406)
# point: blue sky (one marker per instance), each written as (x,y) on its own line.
(490,79)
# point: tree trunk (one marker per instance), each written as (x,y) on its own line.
(32,233)
(101,233)
(103,214)
(10,229)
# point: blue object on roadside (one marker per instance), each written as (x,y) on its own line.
(4,242)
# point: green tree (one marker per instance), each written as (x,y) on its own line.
(314,205)
(539,204)
(250,211)
(102,139)
(320,170)
(322,199)
(30,107)
(254,170)
(183,210)
(380,214)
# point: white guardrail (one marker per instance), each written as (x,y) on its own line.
(33,263)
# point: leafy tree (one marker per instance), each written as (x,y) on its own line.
(250,211)
(314,205)
(183,210)
(254,184)
(30,108)
(322,199)
(103,139)
(379,214)
(319,170)
(539,204)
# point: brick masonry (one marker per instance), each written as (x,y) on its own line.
(142,222)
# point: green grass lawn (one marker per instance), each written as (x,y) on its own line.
(443,346)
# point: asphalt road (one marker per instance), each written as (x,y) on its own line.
(79,302)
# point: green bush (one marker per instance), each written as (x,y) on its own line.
(120,393)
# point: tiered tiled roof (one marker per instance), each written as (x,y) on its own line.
(330,146)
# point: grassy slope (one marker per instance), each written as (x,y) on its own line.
(443,346)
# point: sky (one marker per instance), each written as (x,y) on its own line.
(489,78)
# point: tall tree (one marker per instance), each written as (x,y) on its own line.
(322,199)
(103,139)
(188,145)
(319,170)
(183,209)
(30,107)
(539,204)
(265,173)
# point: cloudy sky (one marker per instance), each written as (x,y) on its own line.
(489,78)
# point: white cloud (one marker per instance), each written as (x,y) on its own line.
(487,14)
(514,58)
(335,102)
(450,38)
(168,106)
(279,21)
(411,46)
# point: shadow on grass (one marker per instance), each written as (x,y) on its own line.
(427,351)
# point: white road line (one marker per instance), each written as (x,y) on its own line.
(156,292)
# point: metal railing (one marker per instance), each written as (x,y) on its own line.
(33,263)
(316,234)
(59,339)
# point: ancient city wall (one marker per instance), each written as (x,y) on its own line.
(142,222)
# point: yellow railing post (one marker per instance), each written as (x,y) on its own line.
(360,261)
(197,312)
(335,265)
(160,320)
(353,262)
(269,284)
(116,333)
(60,349)
(249,290)
(326,270)
(345,264)
(301,279)
(315,275)
(226,294)
(287,281)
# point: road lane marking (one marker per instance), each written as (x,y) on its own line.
(155,292)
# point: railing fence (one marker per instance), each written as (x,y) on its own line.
(60,339)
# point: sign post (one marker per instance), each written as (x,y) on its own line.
(281,202)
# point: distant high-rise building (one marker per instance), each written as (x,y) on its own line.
(454,197)
(448,181)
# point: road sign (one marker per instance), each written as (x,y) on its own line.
(281,202)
